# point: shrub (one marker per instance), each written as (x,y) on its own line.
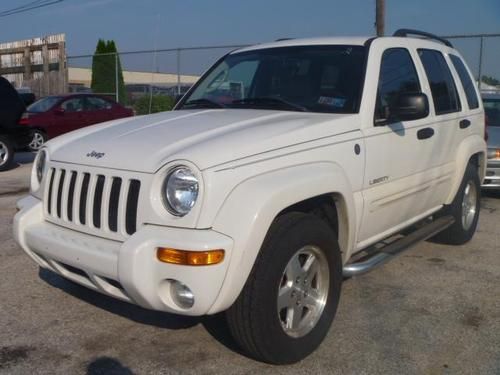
(159,103)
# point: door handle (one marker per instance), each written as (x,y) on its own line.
(464,124)
(425,133)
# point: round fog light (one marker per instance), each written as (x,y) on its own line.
(181,294)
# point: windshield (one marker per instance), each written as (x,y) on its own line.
(305,78)
(492,110)
(43,105)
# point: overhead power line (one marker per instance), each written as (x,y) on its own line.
(29,6)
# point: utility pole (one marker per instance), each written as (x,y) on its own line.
(380,17)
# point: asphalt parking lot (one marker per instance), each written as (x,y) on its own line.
(434,310)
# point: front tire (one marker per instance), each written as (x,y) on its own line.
(6,153)
(465,210)
(290,298)
(38,140)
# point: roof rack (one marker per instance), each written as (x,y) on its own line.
(406,32)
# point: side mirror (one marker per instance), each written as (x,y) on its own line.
(59,111)
(410,106)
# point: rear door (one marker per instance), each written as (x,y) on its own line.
(99,110)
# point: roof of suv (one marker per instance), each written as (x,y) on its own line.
(353,40)
(327,40)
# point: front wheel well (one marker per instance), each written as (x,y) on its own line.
(329,207)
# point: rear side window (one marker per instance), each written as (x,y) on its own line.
(397,76)
(444,91)
(467,83)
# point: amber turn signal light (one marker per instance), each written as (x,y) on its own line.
(189,258)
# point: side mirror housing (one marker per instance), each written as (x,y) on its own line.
(59,111)
(410,106)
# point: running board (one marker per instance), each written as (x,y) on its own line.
(397,247)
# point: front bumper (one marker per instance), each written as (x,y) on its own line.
(492,178)
(125,270)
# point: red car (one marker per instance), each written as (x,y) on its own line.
(56,115)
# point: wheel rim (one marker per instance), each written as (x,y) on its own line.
(4,153)
(37,141)
(303,291)
(469,205)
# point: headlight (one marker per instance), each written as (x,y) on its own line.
(494,153)
(180,190)
(40,165)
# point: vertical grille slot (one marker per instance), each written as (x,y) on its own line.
(96,213)
(71,194)
(83,197)
(114,201)
(60,192)
(131,211)
(51,185)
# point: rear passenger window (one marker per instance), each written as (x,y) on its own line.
(467,83)
(444,91)
(397,76)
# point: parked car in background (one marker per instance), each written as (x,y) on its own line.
(56,115)
(12,136)
(492,110)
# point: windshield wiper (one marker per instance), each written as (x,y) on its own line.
(270,101)
(203,103)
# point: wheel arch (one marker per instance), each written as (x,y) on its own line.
(471,150)
(252,206)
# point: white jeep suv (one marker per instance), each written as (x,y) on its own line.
(282,171)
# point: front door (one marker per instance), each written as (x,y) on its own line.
(70,115)
(399,178)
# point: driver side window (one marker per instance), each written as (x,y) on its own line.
(397,76)
(73,105)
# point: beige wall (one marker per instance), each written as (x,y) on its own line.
(84,76)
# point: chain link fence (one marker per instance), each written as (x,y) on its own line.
(153,78)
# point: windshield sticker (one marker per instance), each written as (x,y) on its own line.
(332,102)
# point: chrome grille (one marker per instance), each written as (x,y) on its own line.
(92,200)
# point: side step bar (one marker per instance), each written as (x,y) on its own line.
(397,247)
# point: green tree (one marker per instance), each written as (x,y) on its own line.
(159,103)
(104,63)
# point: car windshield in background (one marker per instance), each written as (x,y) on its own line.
(304,78)
(43,105)
(492,111)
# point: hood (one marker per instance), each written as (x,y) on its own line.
(203,137)
(11,105)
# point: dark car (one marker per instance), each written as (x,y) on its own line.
(12,136)
(55,115)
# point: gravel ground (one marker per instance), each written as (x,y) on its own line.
(433,310)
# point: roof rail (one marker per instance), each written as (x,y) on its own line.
(406,32)
(282,39)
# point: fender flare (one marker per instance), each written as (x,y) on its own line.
(252,206)
(470,146)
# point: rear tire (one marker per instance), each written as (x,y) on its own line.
(290,298)
(465,209)
(6,153)
(38,140)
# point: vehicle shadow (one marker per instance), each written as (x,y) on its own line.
(107,365)
(214,324)
(491,194)
(22,158)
